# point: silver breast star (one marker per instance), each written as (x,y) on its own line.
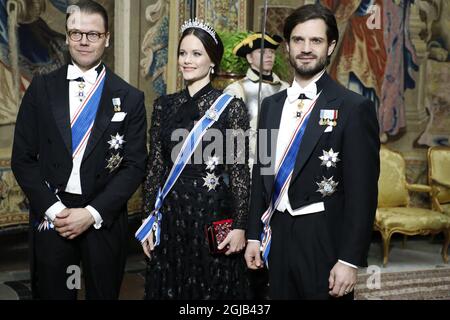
(114,162)
(211,181)
(116,142)
(212,163)
(327,186)
(330,158)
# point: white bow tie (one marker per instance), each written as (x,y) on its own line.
(74,73)
(294,92)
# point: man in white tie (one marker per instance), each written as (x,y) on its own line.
(79,154)
(313,204)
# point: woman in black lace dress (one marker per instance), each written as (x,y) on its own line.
(181,266)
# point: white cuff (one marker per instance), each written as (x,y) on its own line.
(348,264)
(97,217)
(252,240)
(56,208)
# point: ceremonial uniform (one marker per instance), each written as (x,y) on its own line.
(247,89)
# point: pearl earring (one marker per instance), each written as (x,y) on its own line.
(212,70)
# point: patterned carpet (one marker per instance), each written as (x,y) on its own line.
(412,285)
(15,290)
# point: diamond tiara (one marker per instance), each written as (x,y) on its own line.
(195,23)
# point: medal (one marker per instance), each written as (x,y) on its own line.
(300,105)
(211,181)
(327,186)
(116,103)
(330,158)
(114,162)
(81,87)
(212,163)
(212,114)
(328,117)
(116,142)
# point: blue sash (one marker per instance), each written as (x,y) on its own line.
(84,118)
(153,222)
(283,178)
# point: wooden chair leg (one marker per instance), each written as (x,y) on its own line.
(386,242)
(445,246)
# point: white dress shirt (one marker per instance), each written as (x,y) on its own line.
(289,122)
(74,183)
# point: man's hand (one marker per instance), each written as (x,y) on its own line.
(253,255)
(342,280)
(73,224)
(235,240)
(63,214)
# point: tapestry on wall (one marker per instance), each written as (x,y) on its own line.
(223,15)
(437,95)
(32,41)
(26,42)
(276,15)
(13,203)
(154,47)
(374,56)
(437,102)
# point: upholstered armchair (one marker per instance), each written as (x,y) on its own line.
(394,213)
(439,178)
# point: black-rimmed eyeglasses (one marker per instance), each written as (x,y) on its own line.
(92,36)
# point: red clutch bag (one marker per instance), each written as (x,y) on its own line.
(216,232)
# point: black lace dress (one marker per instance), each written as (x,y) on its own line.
(181,267)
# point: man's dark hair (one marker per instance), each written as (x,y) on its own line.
(90,7)
(309,12)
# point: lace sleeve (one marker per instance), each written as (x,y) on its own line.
(238,122)
(155,165)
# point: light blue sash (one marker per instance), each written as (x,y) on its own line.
(84,118)
(153,222)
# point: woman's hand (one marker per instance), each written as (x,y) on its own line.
(235,241)
(148,245)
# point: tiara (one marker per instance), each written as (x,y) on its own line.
(195,23)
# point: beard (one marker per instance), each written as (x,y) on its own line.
(308,70)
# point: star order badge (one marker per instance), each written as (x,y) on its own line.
(116,142)
(330,158)
(327,186)
(211,181)
(114,162)
(212,163)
